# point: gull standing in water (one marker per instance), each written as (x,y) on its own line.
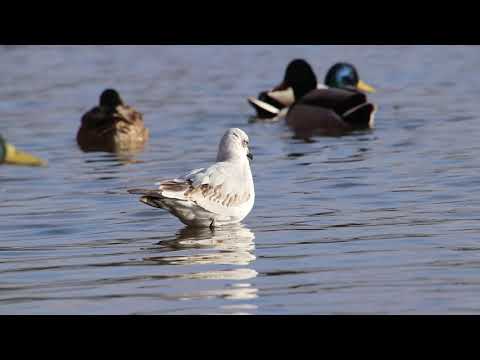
(222,194)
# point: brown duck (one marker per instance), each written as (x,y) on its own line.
(112,126)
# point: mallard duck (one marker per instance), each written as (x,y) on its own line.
(275,103)
(326,111)
(112,126)
(10,155)
(330,112)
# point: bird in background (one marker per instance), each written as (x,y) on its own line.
(112,126)
(275,103)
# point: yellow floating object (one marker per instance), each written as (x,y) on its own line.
(14,156)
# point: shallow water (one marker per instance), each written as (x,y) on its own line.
(385,222)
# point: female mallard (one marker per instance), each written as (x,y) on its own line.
(10,155)
(271,104)
(112,126)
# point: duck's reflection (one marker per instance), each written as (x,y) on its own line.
(119,158)
(129,157)
(229,249)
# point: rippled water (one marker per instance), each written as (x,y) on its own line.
(379,222)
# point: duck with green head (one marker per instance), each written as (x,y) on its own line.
(328,111)
(112,126)
(12,156)
(345,76)
(274,103)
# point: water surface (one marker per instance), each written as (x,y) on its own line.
(383,222)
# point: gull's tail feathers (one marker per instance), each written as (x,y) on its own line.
(168,190)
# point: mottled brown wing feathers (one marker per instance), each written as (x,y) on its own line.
(216,195)
(128,114)
(175,186)
(151,193)
(100,117)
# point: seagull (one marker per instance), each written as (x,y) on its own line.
(219,195)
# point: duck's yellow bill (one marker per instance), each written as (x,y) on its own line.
(17,157)
(365,87)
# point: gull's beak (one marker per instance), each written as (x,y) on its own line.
(365,87)
(250,156)
(17,157)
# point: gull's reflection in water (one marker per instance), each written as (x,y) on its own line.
(229,245)
(226,253)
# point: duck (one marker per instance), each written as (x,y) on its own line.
(274,104)
(327,111)
(10,155)
(112,126)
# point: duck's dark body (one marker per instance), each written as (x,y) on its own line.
(330,112)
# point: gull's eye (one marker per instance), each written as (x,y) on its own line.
(245,143)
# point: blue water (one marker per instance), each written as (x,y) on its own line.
(384,222)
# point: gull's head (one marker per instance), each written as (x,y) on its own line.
(234,146)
